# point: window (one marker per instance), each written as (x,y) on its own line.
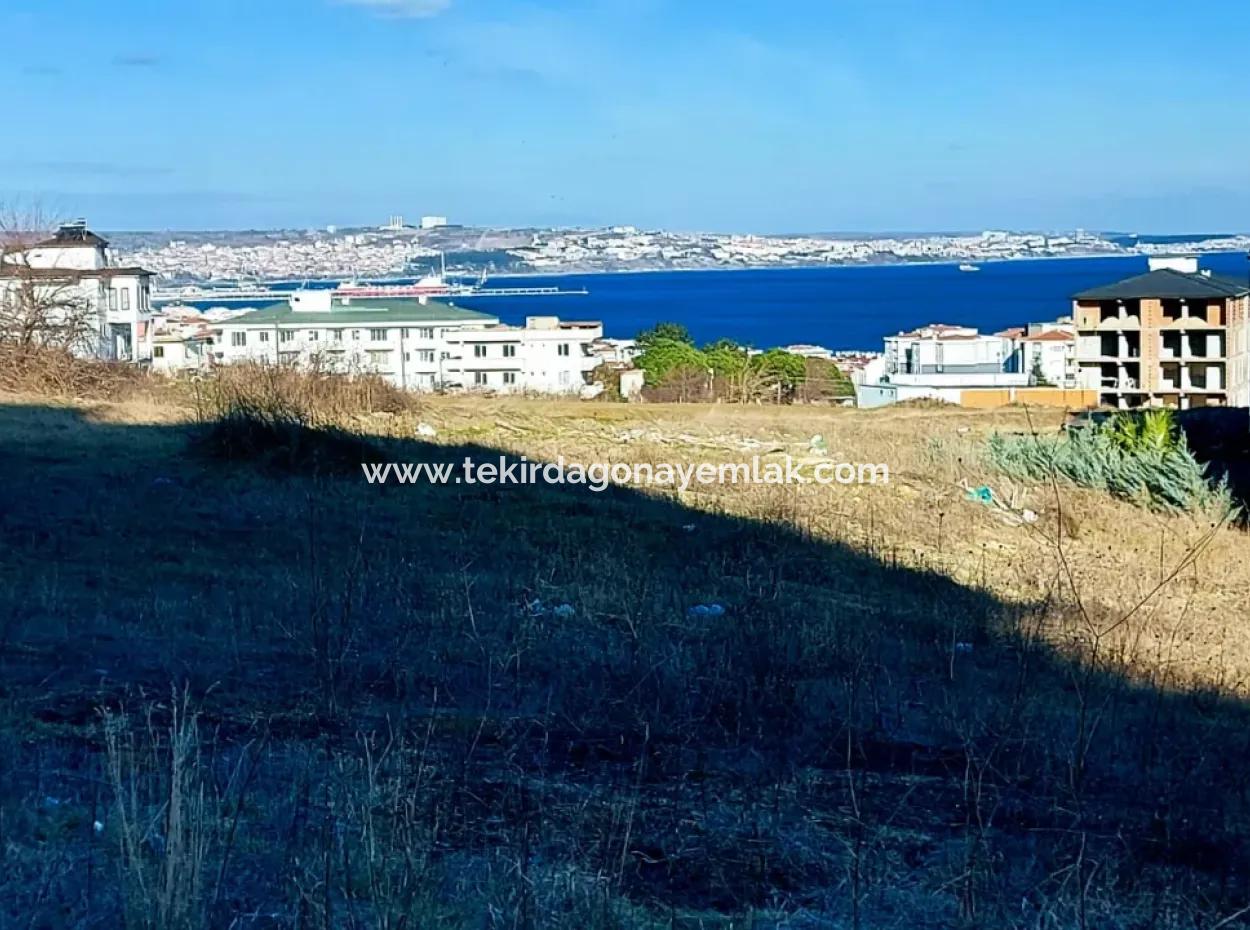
(377,335)
(425,332)
(479,351)
(426,355)
(112,298)
(286,335)
(125,298)
(404,333)
(238,339)
(564,378)
(509,351)
(158,352)
(356,335)
(562,349)
(509,377)
(379,358)
(288,358)
(263,335)
(336,335)
(479,377)
(313,335)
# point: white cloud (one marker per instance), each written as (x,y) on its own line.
(401,9)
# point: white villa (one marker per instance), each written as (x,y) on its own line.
(71,273)
(415,344)
(939,355)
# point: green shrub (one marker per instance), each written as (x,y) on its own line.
(1142,458)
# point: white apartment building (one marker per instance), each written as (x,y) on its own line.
(940,356)
(71,274)
(546,356)
(415,344)
(180,351)
(1045,352)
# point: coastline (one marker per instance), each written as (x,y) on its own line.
(826,265)
(600,272)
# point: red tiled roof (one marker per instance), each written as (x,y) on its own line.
(1054,335)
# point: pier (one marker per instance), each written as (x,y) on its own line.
(260,294)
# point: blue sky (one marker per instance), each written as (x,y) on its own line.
(794,115)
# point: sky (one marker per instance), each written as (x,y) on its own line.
(716,115)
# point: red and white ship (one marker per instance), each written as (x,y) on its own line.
(432,285)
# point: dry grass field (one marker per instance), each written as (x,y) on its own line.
(245,690)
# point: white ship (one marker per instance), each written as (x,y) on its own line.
(967,267)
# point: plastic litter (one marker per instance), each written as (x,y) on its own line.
(425,431)
(1010,511)
(982,495)
(818,445)
(706,610)
(564,611)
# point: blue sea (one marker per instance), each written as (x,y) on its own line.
(846,307)
(842,307)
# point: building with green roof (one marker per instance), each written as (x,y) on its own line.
(417,344)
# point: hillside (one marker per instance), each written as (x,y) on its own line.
(260,692)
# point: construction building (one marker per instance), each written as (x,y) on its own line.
(1175,336)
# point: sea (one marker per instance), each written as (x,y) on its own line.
(841,307)
(845,307)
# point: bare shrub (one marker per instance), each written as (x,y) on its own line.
(43,371)
(165,825)
(315,396)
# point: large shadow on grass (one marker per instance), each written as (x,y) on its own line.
(533,706)
(1219,437)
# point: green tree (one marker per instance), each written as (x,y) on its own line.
(663,356)
(1037,376)
(823,381)
(664,332)
(726,358)
(783,371)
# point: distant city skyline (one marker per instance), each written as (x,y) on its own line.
(863,115)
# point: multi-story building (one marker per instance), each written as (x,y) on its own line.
(68,283)
(939,355)
(1175,336)
(415,344)
(547,355)
(1045,352)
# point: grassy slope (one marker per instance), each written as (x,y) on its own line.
(901,719)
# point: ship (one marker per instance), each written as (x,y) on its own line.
(431,285)
(968,267)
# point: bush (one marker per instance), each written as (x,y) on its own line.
(286,419)
(52,372)
(320,397)
(1144,459)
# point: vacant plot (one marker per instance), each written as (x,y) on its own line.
(247,689)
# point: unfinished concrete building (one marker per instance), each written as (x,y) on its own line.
(1173,337)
